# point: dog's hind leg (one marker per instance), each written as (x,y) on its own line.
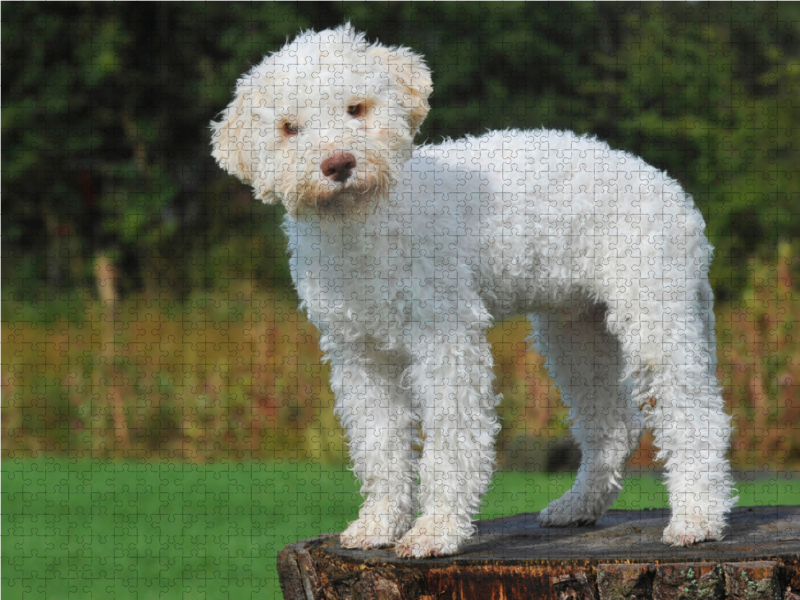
(585,362)
(376,414)
(670,348)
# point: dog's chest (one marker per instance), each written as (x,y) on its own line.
(354,272)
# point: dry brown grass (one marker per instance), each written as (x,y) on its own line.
(238,375)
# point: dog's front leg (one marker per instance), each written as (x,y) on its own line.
(452,384)
(375,412)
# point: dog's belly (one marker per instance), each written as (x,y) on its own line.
(506,296)
(533,262)
(516,302)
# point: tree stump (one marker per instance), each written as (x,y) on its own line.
(513,558)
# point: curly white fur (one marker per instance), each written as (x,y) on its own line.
(405,262)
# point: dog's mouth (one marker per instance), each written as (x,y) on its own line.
(347,202)
(351,194)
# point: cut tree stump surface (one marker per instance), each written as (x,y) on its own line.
(514,558)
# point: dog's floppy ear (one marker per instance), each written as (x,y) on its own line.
(231,139)
(409,72)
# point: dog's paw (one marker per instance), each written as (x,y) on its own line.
(433,536)
(364,534)
(422,545)
(569,513)
(685,531)
(381,526)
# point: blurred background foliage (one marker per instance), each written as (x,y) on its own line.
(147,306)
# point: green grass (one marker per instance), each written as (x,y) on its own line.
(92,529)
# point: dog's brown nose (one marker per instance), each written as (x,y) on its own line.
(339,167)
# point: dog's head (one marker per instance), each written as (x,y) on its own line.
(325,124)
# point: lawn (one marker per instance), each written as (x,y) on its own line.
(101,529)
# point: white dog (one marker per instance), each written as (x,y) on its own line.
(404,256)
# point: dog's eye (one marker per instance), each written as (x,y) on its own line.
(291,129)
(356,110)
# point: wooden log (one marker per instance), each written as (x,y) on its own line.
(512,558)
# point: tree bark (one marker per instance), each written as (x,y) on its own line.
(513,559)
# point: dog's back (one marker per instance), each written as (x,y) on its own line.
(545,218)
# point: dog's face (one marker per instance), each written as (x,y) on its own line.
(325,124)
